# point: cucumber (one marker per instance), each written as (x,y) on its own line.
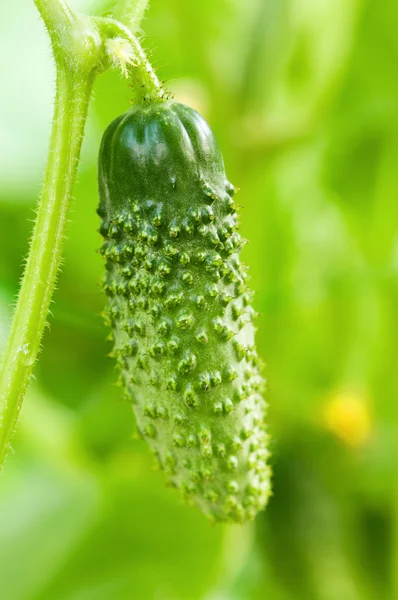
(180,308)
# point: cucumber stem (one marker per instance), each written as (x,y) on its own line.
(71,105)
(131,13)
(147,85)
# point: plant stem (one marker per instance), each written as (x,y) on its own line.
(130,12)
(54,14)
(147,85)
(38,283)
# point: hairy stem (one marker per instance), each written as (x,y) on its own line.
(146,83)
(38,283)
(55,13)
(131,13)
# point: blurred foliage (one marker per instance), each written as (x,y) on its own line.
(303,96)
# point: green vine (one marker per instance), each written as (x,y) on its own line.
(82,46)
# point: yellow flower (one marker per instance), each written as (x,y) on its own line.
(347,415)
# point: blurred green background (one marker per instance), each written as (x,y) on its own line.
(303,97)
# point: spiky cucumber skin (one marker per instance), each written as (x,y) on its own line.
(180,309)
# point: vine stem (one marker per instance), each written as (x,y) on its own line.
(71,106)
(79,46)
(131,13)
(147,86)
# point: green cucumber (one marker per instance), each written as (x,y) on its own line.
(180,309)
